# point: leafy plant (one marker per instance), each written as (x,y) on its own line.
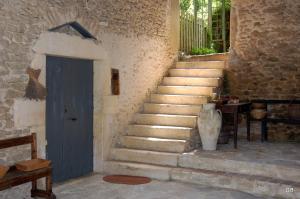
(227,4)
(202,51)
(197,5)
(185,5)
(217,18)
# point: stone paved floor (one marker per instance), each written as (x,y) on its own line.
(255,151)
(94,187)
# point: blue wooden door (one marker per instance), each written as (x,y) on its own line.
(69,117)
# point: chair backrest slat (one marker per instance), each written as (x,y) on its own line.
(30,139)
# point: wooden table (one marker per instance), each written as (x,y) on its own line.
(275,120)
(236,109)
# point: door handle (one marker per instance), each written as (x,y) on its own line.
(72,118)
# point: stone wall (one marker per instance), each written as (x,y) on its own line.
(138,36)
(265,55)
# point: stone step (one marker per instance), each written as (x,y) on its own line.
(211,73)
(209,162)
(168,132)
(141,156)
(191,81)
(155,144)
(179,99)
(211,57)
(166,120)
(134,169)
(202,64)
(257,185)
(175,109)
(186,90)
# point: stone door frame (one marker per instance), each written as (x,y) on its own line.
(63,45)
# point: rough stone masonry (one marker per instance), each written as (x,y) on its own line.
(139,38)
(264,58)
(137,35)
(121,26)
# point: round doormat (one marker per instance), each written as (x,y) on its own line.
(130,180)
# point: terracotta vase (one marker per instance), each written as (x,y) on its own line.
(209,125)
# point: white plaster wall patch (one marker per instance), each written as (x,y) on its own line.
(60,44)
(29,113)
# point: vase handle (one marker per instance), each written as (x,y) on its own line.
(220,112)
(200,110)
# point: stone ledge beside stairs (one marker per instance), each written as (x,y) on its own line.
(258,185)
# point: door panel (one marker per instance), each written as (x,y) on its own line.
(69,114)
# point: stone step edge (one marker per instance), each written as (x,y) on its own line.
(166,105)
(253,184)
(222,169)
(182,164)
(161,126)
(143,112)
(187,144)
(185,86)
(165,115)
(199,61)
(199,67)
(183,95)
(179,63)
(174,154)
(173,171)
(194,78)
(134,123)
(189,131)
(182,105)
(211,69)
(141,150)
(229,174)
(202,97)
(246,176)
(154,138)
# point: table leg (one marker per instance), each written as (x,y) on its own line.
(235,122)
(266,132)
(51,195)
(248,125)
(49,184)
(263,130)
(34,188)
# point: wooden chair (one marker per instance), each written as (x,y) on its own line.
(15,177)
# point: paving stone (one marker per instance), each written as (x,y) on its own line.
(94,188)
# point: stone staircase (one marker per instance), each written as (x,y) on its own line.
(156,142)
(168,121)
(167,125)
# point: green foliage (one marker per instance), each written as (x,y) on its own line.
(197,5)
(185,5)
(217,18)
(202,51)
(227,4)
